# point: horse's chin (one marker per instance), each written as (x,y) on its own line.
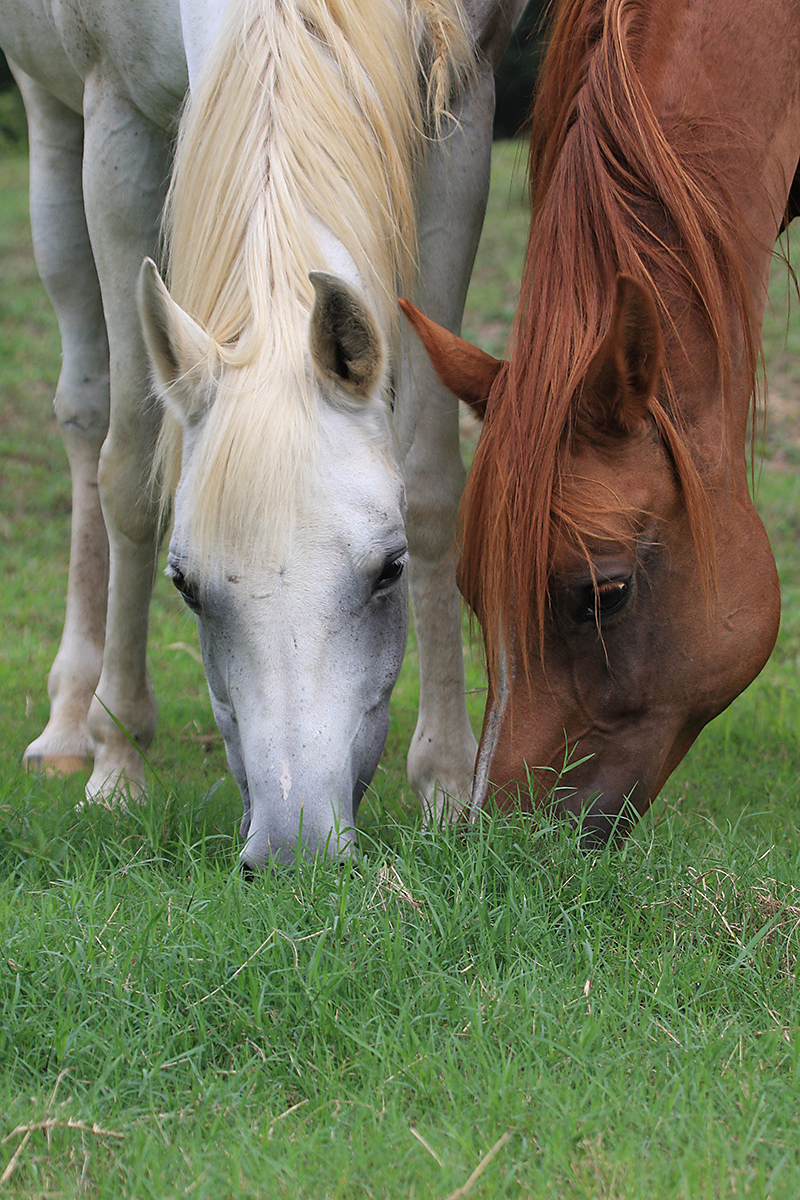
(602,805)
(260,852)
(605,818)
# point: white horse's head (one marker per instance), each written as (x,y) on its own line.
(303,618)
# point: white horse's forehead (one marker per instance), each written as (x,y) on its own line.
(352,522)
(366,495)
(360,482)
(352,517)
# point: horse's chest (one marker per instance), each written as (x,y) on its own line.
(137,44)
(29,36)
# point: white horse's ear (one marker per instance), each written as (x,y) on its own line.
(346,344)
(184,358)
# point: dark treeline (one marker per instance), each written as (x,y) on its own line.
(516,75)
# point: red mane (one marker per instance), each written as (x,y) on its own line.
(612,190)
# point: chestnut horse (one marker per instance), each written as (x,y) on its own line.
(610,548)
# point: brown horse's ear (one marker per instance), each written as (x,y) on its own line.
(467,371)
(625,372)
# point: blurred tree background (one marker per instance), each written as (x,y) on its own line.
(516,76)
(13,130)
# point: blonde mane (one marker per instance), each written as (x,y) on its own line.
(307,111)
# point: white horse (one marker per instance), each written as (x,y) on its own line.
(300,192)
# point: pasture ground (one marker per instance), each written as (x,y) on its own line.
(489,1013)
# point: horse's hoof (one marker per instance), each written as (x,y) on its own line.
(114,790)
(56,764)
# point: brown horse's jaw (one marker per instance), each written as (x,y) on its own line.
(604,800)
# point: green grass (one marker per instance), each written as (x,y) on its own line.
(623,1025)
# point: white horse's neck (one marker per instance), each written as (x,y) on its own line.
(201,21)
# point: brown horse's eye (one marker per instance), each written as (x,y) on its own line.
(601,600)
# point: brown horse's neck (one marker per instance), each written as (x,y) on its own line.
(715,79)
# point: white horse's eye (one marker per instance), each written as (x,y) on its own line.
(390,572)
(187,590)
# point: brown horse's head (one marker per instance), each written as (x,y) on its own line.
(660,600)
(609,547)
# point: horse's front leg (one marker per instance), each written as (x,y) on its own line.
(66,266)
(454,187)
(125,172)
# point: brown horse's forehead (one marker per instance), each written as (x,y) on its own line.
(607,559)
(626,464)
(615,495)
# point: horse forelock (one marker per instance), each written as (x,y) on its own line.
(307,112)
(612,191)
